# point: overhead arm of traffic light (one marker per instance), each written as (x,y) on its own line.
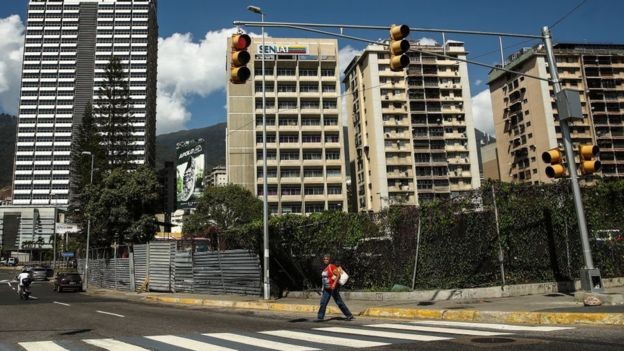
(239,72)
(398,47)
(588,164)
(554,157)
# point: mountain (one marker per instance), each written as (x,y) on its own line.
(214,136)
(8,129)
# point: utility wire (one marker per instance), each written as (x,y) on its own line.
(564,17)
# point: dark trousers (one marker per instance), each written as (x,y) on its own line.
(327,295)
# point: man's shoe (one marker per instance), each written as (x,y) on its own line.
(350,318)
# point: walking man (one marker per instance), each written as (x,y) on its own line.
(331,288)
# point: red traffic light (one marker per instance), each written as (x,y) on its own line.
(241,41)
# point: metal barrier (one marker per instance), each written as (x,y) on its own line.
(157,266)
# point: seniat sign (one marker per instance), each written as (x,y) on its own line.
(274,49)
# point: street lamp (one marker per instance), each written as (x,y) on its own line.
(86,269)
(265,190)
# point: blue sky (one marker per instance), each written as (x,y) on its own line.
(193,36)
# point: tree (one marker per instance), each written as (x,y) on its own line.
(223,208)
(113,114)
(87,140)
(122,206)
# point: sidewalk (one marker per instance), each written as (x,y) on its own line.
(534,309)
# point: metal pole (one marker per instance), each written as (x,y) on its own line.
(416,255)
(569,152)
(86,269)
(265,187)
(413,29)
(500,43)
(501,257)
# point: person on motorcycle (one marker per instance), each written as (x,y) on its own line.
(23,279)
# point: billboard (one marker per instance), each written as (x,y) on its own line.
(189,172)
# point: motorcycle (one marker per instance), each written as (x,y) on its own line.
(25,293)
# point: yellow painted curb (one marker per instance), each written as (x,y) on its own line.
(498,316)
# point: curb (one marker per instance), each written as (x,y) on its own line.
(251,305)
(545,318)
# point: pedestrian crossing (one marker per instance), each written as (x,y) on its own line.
(321,338)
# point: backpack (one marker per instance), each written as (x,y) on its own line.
(26,281)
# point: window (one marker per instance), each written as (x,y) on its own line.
(312,172)
(327,72)
(333,172)
(313,190)
(332,155)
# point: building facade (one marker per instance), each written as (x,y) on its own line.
(411,133)
(217,177)
(525,114)
(67,46)
(305,154)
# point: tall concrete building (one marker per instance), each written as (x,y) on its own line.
(525,114)
(411,133)
(67,46)
(305,153)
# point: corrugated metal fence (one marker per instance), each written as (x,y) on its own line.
(157,266)
(108,273)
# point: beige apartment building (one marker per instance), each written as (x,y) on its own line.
(411,133)
(525,114)
(305,153)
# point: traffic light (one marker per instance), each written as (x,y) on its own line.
(239,73)
(555,159)
(586,157)
(398,47)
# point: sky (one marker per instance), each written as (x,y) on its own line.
(191,63)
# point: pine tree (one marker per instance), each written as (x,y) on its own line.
(87,140)
(113,115)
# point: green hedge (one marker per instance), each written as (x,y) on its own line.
(459,243)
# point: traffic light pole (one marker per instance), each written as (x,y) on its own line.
(265,187)
(590,276)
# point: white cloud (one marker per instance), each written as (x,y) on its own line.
(478,82)
(427,41)
(345,55)
(187,68)
(482,112)
(11,46)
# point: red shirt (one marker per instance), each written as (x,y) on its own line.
(329,279)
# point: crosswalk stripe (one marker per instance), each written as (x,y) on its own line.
(42,346)
(113,345)
(268,344)
(324,339)
(188,343)
(384,334)
(493,326)
(437,330)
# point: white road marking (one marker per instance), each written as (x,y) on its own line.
(188,343)
(111,314)
(33,297)
(383,334)
(324,339)
(41,346)
(493,326)
(268,344)
(61,303)
(113,345)
(436,330)
(3,281)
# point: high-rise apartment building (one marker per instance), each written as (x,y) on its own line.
(67,46)
(411,133)
(305,154)
(525,114)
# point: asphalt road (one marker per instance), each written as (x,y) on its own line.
(76,321)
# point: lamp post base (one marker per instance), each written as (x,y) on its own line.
(591,280)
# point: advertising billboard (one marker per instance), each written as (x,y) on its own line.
(190,172)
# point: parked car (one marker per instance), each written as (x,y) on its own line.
(12,261)
(39,273)
(65,281)
(49,271)
(3,262)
